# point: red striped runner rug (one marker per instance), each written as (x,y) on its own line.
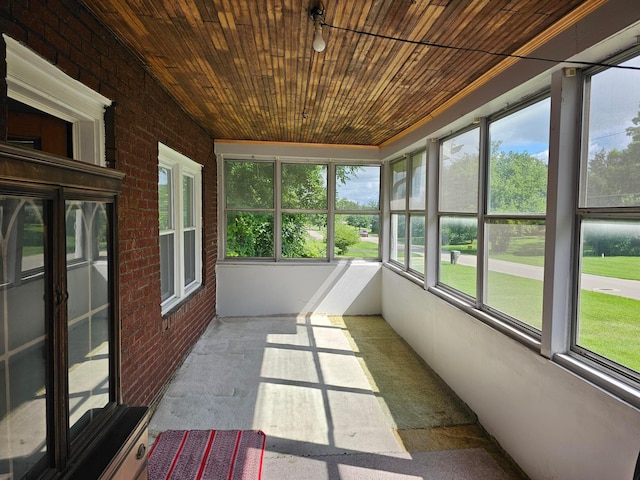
(207,455)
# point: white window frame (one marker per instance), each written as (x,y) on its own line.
(179,166)
(37,83)
(408,212)
(555,340)
(277,211)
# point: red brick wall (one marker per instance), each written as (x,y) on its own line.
(66,34)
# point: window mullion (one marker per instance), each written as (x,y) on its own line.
(558,308)
(483,191)
(431,233)
(277,217)
(407,213)
(198,222)
(331,205)
(58,399)
(178,248)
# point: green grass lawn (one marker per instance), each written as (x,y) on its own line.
(362,249)
(627,268)
(609,325)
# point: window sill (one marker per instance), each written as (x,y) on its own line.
(297,261)
(622,388)
(409,275)
(527,339)
(175,304)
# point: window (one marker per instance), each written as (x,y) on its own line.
(607,328)
(33,81)
(250,209)
(357,208)
(516,208)
(492,245)
(459,168)
(304,210)
(536,230)
(297,209)
(58,335)
(180,221)
(408,204)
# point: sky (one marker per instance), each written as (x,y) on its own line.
(614,102)
(526,130)
(363,186)
(615,95)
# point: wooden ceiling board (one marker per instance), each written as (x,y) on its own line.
(245,70)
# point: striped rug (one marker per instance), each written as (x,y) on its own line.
(207,455)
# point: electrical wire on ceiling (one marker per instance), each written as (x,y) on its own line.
(478,50)
(305,115)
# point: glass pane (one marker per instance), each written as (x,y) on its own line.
(418,194)
(165,198)
(248,184)
(516,269)
(357,187)
(32,238)
(416,261)
(398,236)
(167,269)
(249,234)
(23,336)
(398,185)
(304,235)
(187,202)
(88,318)
(518,161)
(610,297)
(612,148)
(458,247)
(459,162)
(304,186)
(356,236)
(74,232)
(189,257)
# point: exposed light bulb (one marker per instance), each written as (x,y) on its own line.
(318,42)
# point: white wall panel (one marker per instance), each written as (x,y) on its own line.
(553,424)
(341,288)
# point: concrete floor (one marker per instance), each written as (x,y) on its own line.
(338,398)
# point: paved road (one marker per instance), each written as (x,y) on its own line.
(596,283)
(609,285)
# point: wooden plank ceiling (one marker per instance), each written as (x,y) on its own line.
(246,70)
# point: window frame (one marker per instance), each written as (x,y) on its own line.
(35,82)
(483,218)
(180,166)
(56,181)
(593,363)
(556,339)
(278,211)
(408,212)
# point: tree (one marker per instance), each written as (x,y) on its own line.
(613,180)
(249,188)
(517,185)
(613,177)
(249,234)
(345,236)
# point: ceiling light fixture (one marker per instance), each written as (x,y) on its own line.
(317,15)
